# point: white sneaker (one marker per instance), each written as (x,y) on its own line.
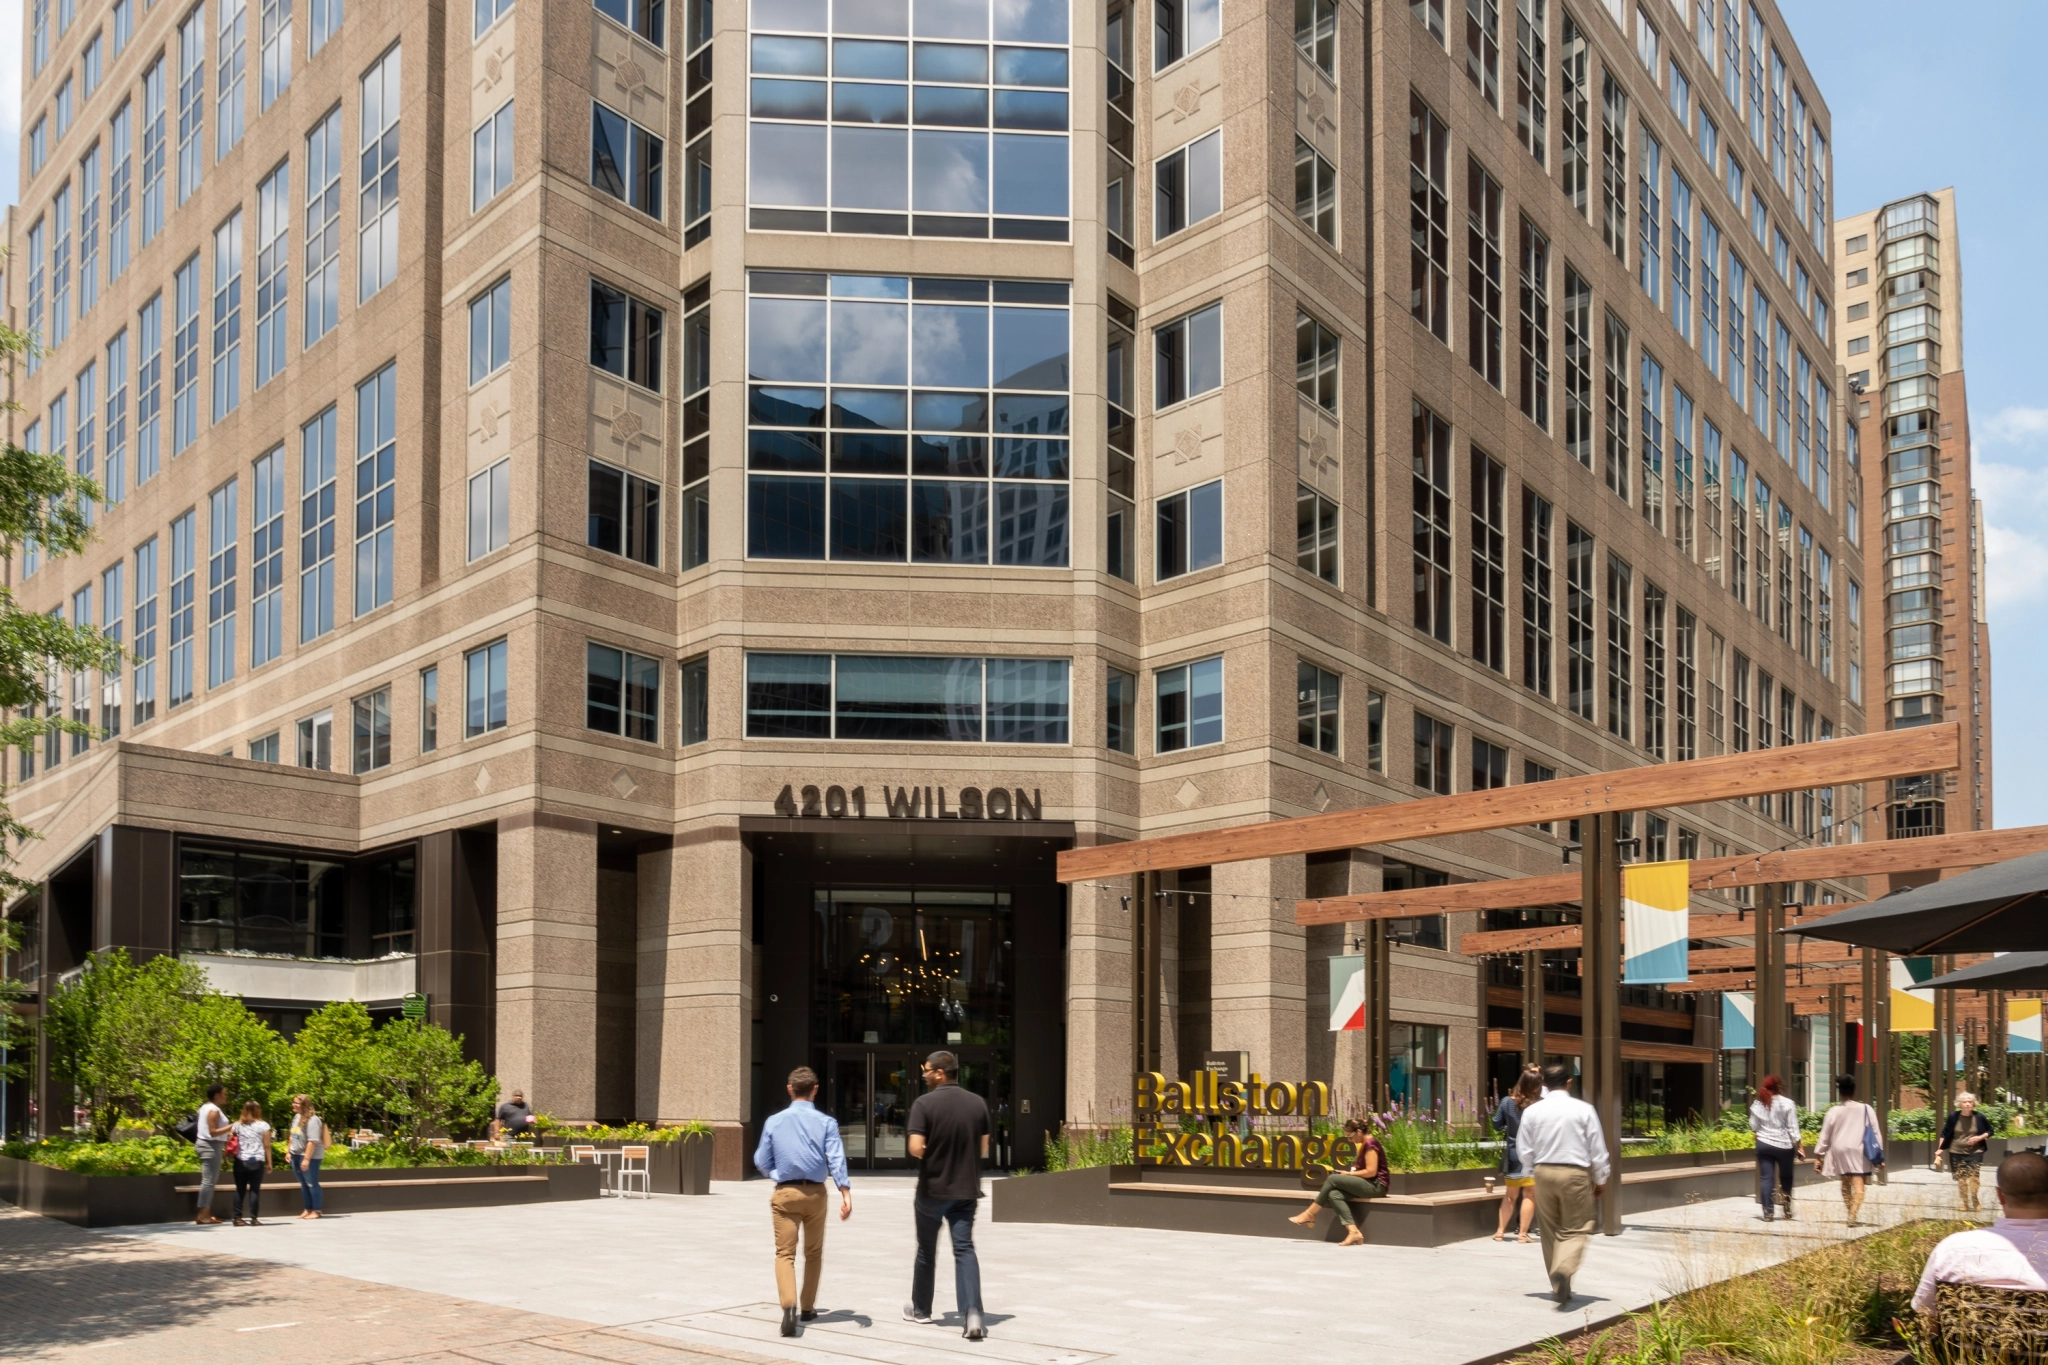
(911,1313)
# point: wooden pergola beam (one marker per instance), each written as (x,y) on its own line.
(1743,981)
(1859,758)
(1798,953)
(1558,937)
(1975,848)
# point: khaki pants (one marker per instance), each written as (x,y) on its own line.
(1564,1209)
(792,1207)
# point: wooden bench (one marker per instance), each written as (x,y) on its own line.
(1477,1194)
(274,1184)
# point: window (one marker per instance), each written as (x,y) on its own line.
(1430,468)
(1315,533)
(192,100)
(696,462)
(39,24)
(1655,681)
(1188,356)
(488,12)
(326,22)
(222,524)
(88,229)
(377,189)
(264,750)
(316,527)
(370,731)
(490,331)
(1579,613)
(227,316)
(1433,741)
(625,514)
(1578,367)
(1651,409)
(229,100)
(1376,731)
(1710,294)
(1189,705)
(149,325)
(273,275)
(1681,256)
(1482,49)
(1620,649)
(1429,220)
(983,435)
(621,693)
(1683,509)
(153,151)
(695,675)
(1738,289)
(1489,765)
(1573,158)
(1649,258)
(1733,180)
(625,160)
(1534,373)
(1616,392)
(85,436)
(625,335)
(185,358)
(1120,712)
(1537,592)
(316,741)
(490,509)
(121,172)
(490,156)
(323,223)
(907,697)
(1709,142)
(484,692)
(1315,33)
(276,21)
(145,630)
(183,583)
(1614,166)
(376,487)
(1188,531)
(1646,43)
(115,482)
(124,24)
(1187,185)
(1418,1077)
(60,271)
(1532,772)
(1315,191)
(1483,275)
(1316,706)
(266,560)
(1531,79)
(1489,621)
(644,17)
(1315,361)
(1183,26)
(1431,15)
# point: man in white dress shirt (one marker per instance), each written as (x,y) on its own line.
(2010,1254)
(1562,1143)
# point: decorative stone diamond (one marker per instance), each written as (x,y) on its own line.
(483,779)
(626,425)
(1187,99)
(1321,798)
(1188,794)
(1187,445)
(623,783)
(630,75)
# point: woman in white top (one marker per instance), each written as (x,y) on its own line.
(1775,1121)
(1838,1154)
(307,1147)
(252,1160)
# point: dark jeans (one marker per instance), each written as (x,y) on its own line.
(958,1215)
(1769,1161)
(308,1173)
(248,1181)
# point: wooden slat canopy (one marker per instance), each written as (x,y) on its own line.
(1859,758)
(1570,1044)
(1975,848)
(1558,937)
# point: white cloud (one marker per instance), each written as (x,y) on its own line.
(2015,545)
(2017,426)
(10,98)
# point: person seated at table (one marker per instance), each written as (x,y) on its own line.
(2010,1254)
(515,1118)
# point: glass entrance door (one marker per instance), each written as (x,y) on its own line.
(869,1091)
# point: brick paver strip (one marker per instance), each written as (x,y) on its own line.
(70,1295)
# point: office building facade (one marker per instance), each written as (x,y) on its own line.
(684,547)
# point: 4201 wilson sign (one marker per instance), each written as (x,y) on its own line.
(912,803)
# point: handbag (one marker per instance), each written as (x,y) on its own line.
(1873,1150)
(234,1147)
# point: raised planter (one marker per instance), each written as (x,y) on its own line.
(98,1201)
(682,1166)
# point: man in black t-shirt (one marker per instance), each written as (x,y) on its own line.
(949,1137)
(515,1117)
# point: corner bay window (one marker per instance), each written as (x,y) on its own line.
(625,336)
(484,689)
(920,419)
(622,693)
(1188,532)
(1188,705)
(625,514)
(907,697)
(625,160)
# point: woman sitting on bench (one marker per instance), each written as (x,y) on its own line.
(1367,1179)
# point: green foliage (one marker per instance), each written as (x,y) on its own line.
(1907,1124)
(1073,1149)
(217,1040)
(1914,1055)
(333,1061)
(148,1156)
(623,1132)
(17,1030)
(114,1026)
(398,1153)
(426,1086)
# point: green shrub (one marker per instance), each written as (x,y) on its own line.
(1073,1151)
(554,1132)
(398,1152)
(147,1156)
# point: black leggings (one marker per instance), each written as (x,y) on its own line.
(249,1181)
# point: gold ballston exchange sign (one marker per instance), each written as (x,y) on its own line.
(1159,1139)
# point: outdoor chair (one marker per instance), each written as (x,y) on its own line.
(1983,1326)
(633,1166)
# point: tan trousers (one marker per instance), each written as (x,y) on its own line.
(792,1207)
(1564,1212)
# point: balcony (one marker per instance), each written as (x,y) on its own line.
(1911,395)
(1914,678)
(1913,571)
(1906,501)
(1914,820)
(1917,216)
(1920,536)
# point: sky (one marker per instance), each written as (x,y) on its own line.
(1920,97)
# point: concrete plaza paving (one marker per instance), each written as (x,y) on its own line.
(696,1272)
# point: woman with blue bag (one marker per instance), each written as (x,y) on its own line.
(1850,1148)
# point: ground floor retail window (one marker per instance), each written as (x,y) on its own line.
(1416,1074)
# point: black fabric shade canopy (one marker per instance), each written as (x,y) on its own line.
(2002,908)
(2013,972)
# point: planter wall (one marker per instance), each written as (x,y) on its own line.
(679,1167)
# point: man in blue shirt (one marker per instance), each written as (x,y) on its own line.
(799,1150)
